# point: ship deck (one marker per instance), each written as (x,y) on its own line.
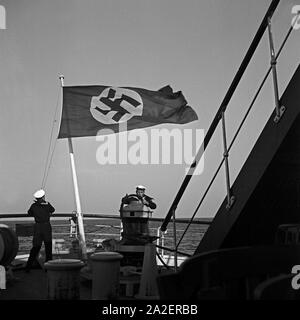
(33,286)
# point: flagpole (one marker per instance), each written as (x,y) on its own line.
(76,192)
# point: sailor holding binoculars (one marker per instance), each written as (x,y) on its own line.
(140,196)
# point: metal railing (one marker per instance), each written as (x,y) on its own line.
(72,231)
(97,216)
(220,116)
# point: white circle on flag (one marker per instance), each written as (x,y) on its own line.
(116,105)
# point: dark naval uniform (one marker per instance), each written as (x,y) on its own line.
(41,211)
(148,201)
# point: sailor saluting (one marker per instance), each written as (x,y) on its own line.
(140,196)
(41,210)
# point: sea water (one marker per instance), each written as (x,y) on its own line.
(97,230)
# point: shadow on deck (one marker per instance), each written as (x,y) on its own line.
(33,286)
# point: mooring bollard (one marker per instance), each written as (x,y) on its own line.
(2,278)
(105,275)
(63,279)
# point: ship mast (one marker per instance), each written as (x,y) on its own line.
(82,242)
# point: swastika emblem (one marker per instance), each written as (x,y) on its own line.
(116,105)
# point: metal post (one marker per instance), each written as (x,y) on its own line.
(76,193)
(162,243)
(73,227)
(121,229)
(279,110)
(158,234)
(175,241)
(230,199)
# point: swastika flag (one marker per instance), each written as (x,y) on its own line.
(88,110)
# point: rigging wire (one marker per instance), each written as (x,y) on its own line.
(239,128)
(48,162)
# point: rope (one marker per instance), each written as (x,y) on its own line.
(48,162)
(161,260)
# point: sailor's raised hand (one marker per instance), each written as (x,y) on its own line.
(145,202)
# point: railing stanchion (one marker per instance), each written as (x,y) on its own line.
(162,242)
(121,229)
(158,234)
(279,109)
(230,199)
(73,225)
(175,241)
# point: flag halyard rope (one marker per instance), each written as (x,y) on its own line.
(49,152)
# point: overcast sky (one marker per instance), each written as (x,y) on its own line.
(193,45)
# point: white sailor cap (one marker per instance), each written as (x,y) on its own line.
(140,187)
(39,194)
